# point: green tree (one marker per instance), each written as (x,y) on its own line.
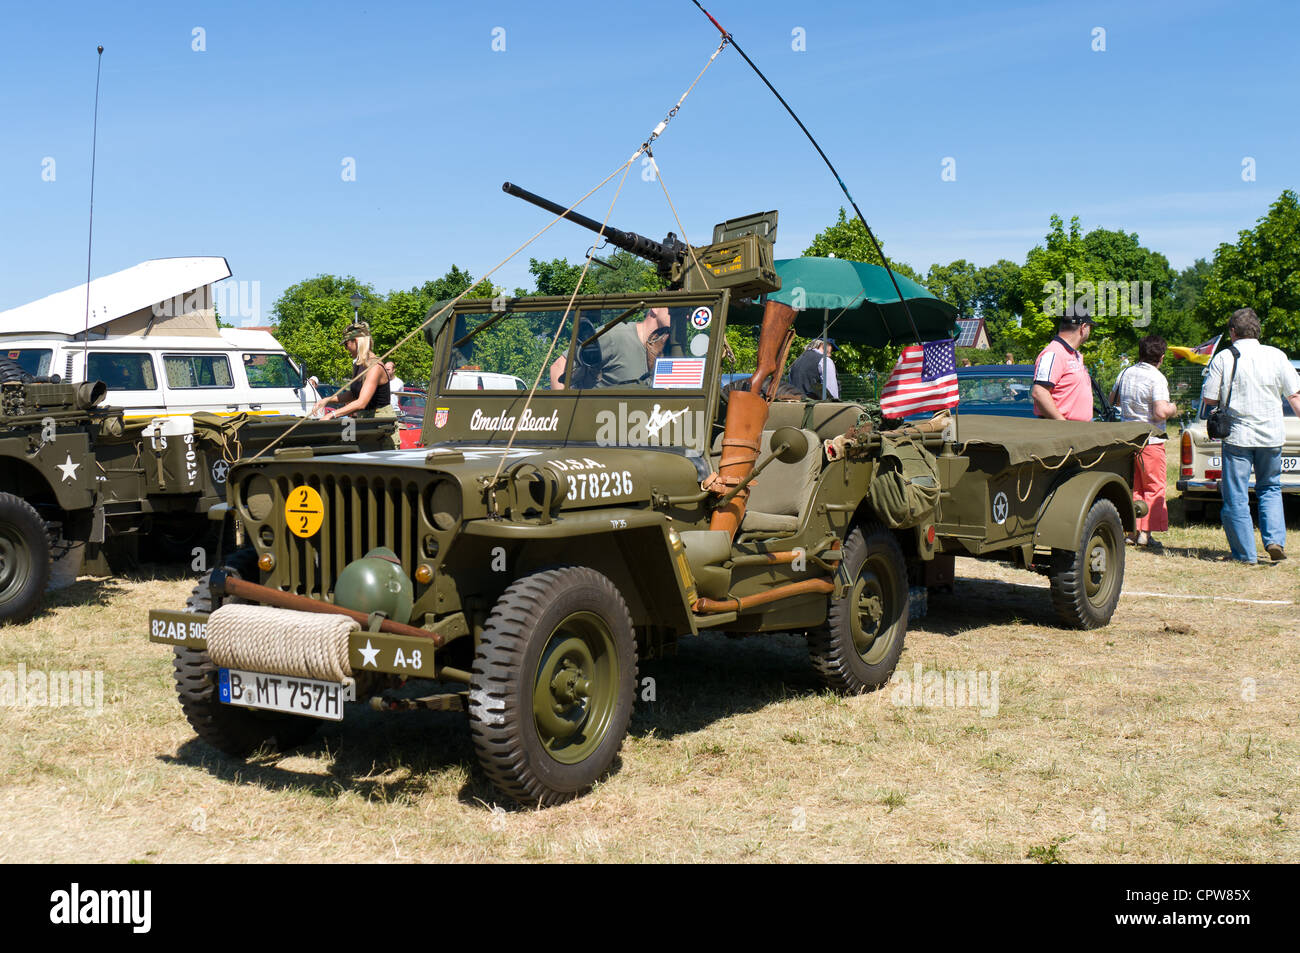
(1000,301)
(310,318)
(1260,271)
(958,284)
(1189,285)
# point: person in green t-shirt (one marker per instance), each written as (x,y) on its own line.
(623,355)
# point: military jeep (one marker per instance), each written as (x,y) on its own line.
(80,485)
(542,544)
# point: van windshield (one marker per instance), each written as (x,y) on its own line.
(34,360)
(270,370)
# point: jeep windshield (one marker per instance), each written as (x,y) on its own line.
(642,346)
(651,355)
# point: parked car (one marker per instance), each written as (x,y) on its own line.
(410,403)
(474,379)
(1003,390)
(1201,461)
(410,416)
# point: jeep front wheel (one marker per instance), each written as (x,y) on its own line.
(1086,583)
(24,559)
(858,648)
(552,685)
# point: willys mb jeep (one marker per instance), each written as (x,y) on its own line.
(542,544)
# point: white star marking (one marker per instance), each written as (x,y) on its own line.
(69,469)
(368,655)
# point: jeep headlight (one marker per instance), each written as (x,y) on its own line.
(257,497)
(443,505)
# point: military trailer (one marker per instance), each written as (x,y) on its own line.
(75,475)
(541,545)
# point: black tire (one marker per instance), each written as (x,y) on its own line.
(1086,583)
(11,372)
(857,649)
(567,631)
(24,559)
(228,728)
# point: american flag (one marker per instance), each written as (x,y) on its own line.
(679,372)
(924,379)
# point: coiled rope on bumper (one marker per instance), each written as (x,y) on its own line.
(280,641)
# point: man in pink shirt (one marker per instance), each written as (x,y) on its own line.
(1062,388)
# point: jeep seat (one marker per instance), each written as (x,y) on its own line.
(825,418)
(779,495)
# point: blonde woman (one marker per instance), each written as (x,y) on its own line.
(368,395)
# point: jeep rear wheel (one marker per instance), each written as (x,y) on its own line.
(24,559)
(552,685)
(228,728)
(858,648)
(1086,583)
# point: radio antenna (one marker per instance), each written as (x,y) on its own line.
(90,238)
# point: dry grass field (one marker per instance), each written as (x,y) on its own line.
(1169,736)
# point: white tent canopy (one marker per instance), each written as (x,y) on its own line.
(151,286)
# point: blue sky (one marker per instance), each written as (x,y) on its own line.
(238,149)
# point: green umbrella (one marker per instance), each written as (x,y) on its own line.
(853,301)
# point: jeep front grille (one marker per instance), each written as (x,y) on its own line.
(360,514)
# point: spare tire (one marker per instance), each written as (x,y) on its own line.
(11,372)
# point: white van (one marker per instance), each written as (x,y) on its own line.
(153,340)
(240,370)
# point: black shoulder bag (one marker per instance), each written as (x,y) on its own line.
(1218,425)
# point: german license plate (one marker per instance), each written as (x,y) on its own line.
(1289,464)
(285,693)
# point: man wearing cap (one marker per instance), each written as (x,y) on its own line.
(814,369)
(1062,388)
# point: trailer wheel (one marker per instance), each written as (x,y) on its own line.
(1086,583)
(552,685)
(858,648)
(24,559)
(228,728)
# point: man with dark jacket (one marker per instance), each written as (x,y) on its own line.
(813,372)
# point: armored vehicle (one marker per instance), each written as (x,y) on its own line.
(77,479)
(543,543)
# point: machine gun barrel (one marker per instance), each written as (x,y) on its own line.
(663,254)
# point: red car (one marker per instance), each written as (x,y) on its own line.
(410,417)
